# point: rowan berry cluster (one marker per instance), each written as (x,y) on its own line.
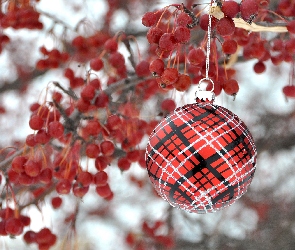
(171,28)
(150,237)
(20,15)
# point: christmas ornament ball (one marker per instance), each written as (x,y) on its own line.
(201,157)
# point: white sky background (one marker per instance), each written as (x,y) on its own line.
(128,214)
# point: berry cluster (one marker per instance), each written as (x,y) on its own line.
(20,15)
(150,236)
(44,238)
(52,59)
(169,37)
(168,41)
(86,47)
(12,223)
(173,46)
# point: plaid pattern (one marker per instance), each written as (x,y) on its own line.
(201,158)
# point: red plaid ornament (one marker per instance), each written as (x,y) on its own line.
(201,157)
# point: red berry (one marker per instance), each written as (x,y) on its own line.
(231,87)
(30,237)
(101,162)
(56,202)
(182,34)
(56,96)
(84,178)
(93,127)
(63,187)
(14,226)
(32,168)
(88,92)
(225,26)
(107,148)
(36,122)
(83,105)
(92,150)
(196,56)
(42,137)
(248,9)
(18,163)
(291,26)
(69,73)
(103,191)
(133,156)
(154,34)
(102,100)
(157,67)
(183,19)
(26,220)
(55,129)
(289,91)
(114,122)
(168,105)
(96,64)
(45,176)
(111,45)
(169,76)
(230,8)
(142,69)
(149,19)
(229,46)
(124,163)
(167,42)
(44,236)
(80,191)
(100,178)
(259,67)
(183,82)
(95,83)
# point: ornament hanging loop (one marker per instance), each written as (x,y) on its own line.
(201,94)
(205,95)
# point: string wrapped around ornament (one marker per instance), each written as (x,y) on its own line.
(201,157)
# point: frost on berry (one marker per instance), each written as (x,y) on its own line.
(249,8)
(169,76)
(156,67)
(231,87)
(149,19)
(168,105)
(196,56)
(230,8)
(154,34)
(142,69)
(229,46)
(225,26)
(182,34)
(167,42)
(183,19)
(183,82)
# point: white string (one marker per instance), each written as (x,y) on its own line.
(209,48)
